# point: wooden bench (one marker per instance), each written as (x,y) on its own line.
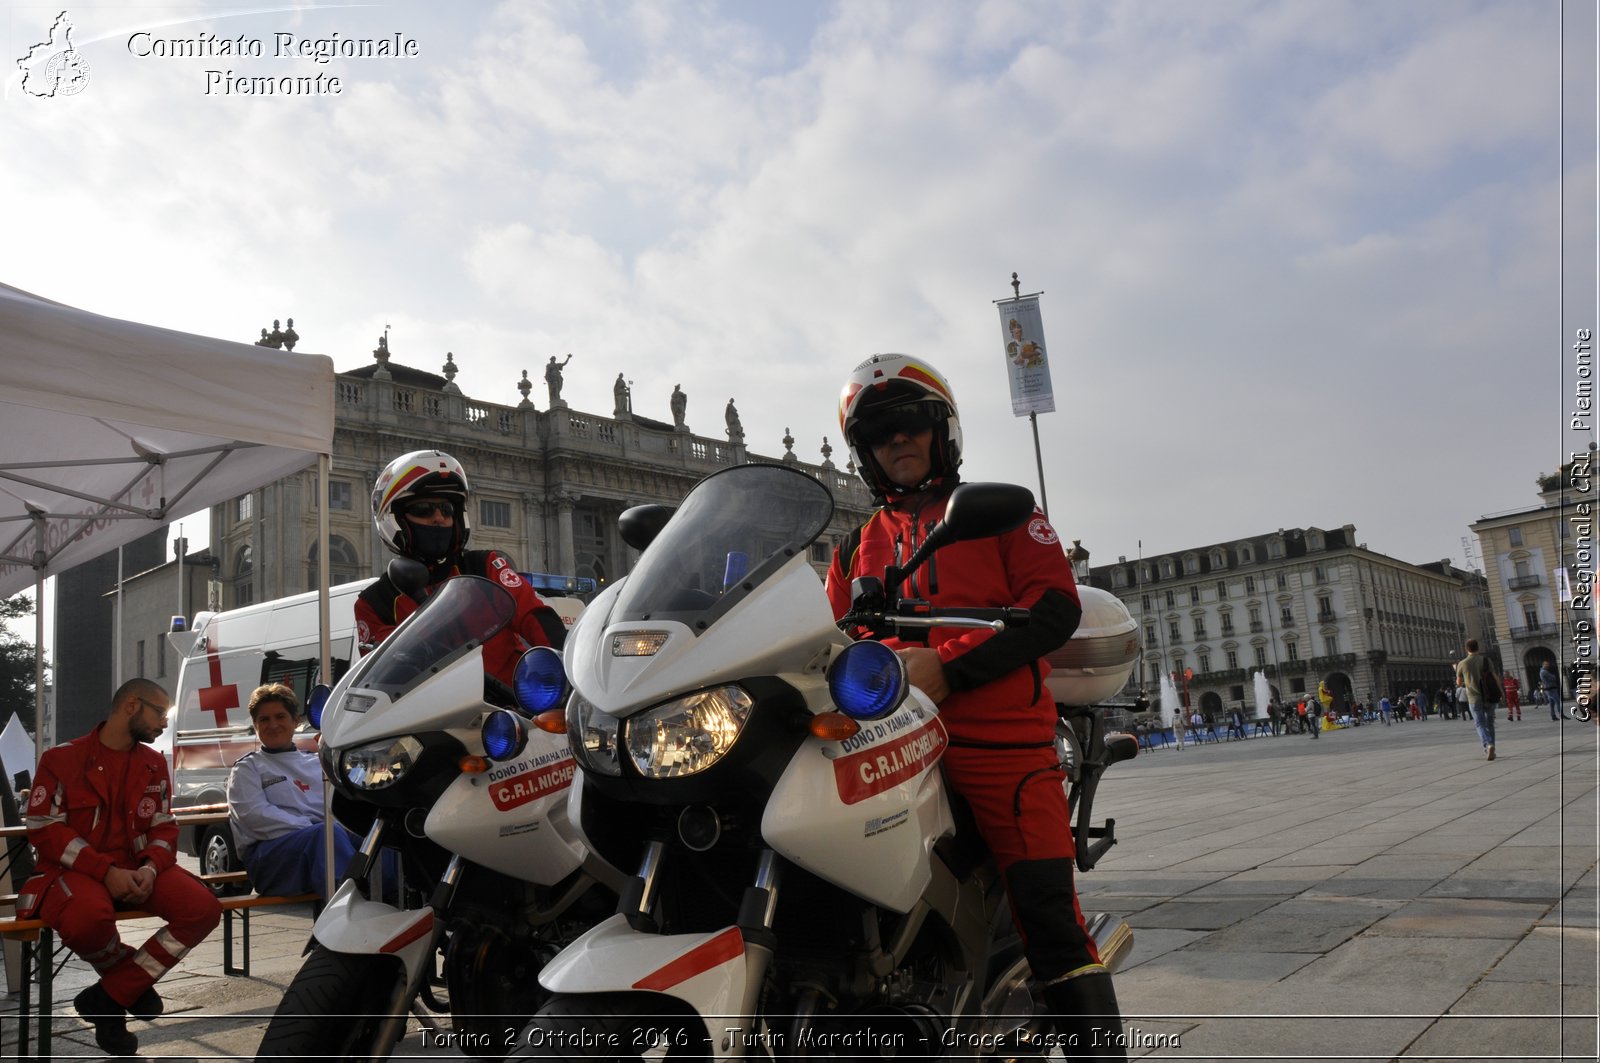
(39,948)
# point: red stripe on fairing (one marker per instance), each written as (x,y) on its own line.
(423,926)
(916,372)
(719,950)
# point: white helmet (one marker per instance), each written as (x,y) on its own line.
(420,474)
(894,381)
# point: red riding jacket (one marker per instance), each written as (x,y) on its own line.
(998,697)
(73,827)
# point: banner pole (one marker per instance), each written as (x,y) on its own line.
(1038,457)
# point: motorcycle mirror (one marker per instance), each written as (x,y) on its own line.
(975,511)
(978,511)
(639,525)
(409,575)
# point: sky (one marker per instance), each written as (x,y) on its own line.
(1301,263)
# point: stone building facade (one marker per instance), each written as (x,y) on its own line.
(1534,558)
(1301,605)
(548,485)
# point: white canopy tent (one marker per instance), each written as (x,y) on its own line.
(110,429)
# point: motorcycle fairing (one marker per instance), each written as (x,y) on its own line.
(706,970)
(864,814)
(350,923)
(753,638)
(452,698)
(513,818)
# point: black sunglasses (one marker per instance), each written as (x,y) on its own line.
(421,510)
(911,420)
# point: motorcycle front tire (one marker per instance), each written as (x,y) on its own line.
(614,1026)
(333,1009)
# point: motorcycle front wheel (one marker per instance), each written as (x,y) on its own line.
(614,1026)
(333,1009)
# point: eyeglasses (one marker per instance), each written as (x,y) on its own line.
(422,509)
(911,420)
(161,713)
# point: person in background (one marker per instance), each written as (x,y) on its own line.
(275,804)
(1550,683)
(901,423)
(100,821)
(1473,672)
(1513,689)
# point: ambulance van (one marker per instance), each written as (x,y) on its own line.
(224,657)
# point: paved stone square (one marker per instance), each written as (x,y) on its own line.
(1378,894)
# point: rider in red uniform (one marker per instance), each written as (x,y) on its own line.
(419,507)
(900,421)
(100,819)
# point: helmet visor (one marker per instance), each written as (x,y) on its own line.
(874,430)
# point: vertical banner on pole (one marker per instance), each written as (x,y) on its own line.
(1027,367)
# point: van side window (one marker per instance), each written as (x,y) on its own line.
(296,667)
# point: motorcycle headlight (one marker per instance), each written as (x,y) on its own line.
(593,736)
(688,734)
(381,764)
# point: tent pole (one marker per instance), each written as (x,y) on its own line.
(325,651)
(41,740)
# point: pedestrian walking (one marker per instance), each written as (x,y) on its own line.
(1475,674)
(1550,683)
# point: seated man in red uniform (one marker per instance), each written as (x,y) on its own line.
(100,820)
(420,508)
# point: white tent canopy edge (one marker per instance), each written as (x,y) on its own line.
(108,427)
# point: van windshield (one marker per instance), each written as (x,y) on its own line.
(461,615)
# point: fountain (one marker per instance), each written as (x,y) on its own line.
(1170,705)
(1263,695)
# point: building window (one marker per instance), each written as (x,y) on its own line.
(1166,568)
(1293,650)
(493,514)
(1516,536)
(1274,548)
(1246,555)
(1205,663)
(1249,584)
(1227,623)
(1169,599)
(340,494)
(1314,540)
(1297,685)
(1255,618)
(1287,616)
(246,507)
(139,658)
(1324,609)
(1146,603)
(1522,569)
(1172,629)
(821,553)
(1150,637)
(243,581)
(1530,615)
(1144,573)
(345,567)
(161,656)
(1219,560)
(1119,577)
(1222,590)
(1233,659)
(1333,645)
(1261,656)
(1200,628)
(1191,565)
(1194,595)
(1283,581)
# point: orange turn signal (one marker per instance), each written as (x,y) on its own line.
(473,765)
(833,727)
(554,721)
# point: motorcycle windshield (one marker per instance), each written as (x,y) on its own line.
(463,614)
(735,529)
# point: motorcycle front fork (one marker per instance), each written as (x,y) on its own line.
(757,911)
(393,1027)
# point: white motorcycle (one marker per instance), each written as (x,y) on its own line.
(494,878)
(804,883)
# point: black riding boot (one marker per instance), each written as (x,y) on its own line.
(1088,1021)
